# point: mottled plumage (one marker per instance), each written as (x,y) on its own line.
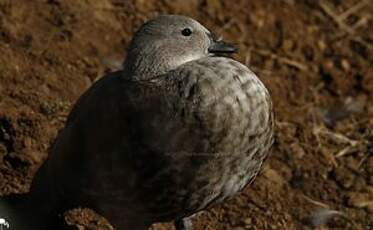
(178,130)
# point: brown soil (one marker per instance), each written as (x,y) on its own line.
(315,57)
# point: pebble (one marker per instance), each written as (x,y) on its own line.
(361,200)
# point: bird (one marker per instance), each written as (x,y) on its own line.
(180,128)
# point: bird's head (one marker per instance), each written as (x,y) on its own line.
(168,41)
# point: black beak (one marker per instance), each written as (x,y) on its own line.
(220,47)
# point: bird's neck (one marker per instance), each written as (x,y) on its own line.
(143,64)
(143,72)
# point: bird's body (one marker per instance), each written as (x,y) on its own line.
(162,145)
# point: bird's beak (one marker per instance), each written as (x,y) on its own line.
(220,47)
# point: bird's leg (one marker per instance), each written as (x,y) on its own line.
(184,224)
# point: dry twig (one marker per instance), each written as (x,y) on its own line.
(339,20)
(337,137)
(335,18)
(358,6)
(283,60)
(317,203)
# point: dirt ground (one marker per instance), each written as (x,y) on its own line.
(316,57)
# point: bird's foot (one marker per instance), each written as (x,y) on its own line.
(184,224)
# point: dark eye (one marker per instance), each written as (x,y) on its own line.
(186,32)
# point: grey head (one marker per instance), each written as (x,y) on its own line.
(168,41)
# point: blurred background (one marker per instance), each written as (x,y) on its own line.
(314,56)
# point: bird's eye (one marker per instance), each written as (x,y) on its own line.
(186,32)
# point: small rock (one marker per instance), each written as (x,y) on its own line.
(361,200)
(345,65)
(297,150)
(297,180)
(359,184)
(288,45)
(27,142)
(344,177)
(47,109)
(343,109)
(321,44)
(322,216)
(248,221)
(273,176)
(329,65)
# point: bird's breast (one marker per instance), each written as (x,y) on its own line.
(228,110)
(226,100)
